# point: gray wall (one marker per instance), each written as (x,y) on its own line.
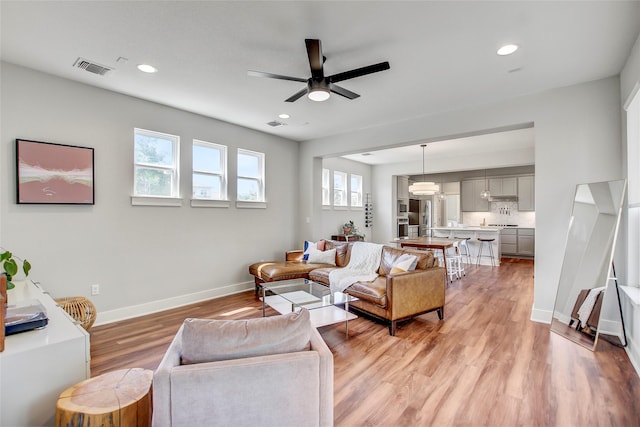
(144,258)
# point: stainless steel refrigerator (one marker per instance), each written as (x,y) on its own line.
(425,218)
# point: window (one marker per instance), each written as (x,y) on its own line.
(209,171)
(339,188)
(250,176)
(356,190)
(156,160)
(326,187)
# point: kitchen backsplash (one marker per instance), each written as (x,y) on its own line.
(501,213)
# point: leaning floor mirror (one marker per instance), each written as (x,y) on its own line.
(587,305)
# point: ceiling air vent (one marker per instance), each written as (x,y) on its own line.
(91,67)
(276,123)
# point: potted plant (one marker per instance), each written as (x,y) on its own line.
(349,228)
(10,267)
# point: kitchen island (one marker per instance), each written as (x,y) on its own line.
(473,233)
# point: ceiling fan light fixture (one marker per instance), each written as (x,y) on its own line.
(318,94)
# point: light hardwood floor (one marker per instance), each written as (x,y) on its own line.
(485,364)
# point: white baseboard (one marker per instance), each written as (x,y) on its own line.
(633,351)
(541,316)
(110,316)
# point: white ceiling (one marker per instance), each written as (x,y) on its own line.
(442,54)
(479,144)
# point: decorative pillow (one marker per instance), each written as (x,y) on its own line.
(307,244)
(404,263)
(207,340)
(322,257)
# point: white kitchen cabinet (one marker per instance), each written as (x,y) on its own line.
(503,186)
(526,193)
(36,366)
(470,196)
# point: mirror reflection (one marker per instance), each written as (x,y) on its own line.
(587,302)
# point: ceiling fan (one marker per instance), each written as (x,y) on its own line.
(319,87)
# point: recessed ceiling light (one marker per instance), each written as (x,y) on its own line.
(507,49)
(146,68)
(284,116)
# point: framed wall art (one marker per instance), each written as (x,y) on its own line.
(49,173)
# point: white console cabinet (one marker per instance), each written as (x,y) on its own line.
(36,366)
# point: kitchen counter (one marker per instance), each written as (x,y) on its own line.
(473,233)
(471,228)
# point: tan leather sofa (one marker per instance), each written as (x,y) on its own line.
(391,296)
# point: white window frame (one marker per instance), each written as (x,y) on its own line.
(326,187)
(174,169)
(357,191)
(343,189)
(260,180)
(222,201)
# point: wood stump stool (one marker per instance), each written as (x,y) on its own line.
(116,399)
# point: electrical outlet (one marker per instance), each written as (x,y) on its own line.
(95,289)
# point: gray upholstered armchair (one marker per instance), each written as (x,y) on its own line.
(257,372)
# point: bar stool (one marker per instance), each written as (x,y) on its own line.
(452,265)
(456,256)
(488,242)
(463,245)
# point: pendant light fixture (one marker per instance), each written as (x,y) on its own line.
(441,194)
(423,188)
(485,194)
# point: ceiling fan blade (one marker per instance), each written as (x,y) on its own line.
(344,92)
(296,95)
(275,76)
(359,72)
(314,51)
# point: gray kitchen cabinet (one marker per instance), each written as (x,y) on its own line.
(526,242)
(503,186)
(470,196)
(403,187)
(509,241)
(526,193)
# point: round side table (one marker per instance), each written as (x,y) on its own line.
(116,399)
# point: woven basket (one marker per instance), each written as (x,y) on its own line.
(80,308)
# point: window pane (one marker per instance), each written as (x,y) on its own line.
(153,150)
(152,182)
(248,189)
(248,165)
(356,190)
(339,188)
(206,159)
(325,187)
(207,187)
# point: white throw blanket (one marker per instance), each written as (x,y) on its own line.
(363,266)
(587,305)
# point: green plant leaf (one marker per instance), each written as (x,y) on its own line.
(10,267)
(5,255)
(26,267)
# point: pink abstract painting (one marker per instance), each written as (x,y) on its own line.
(54,173)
